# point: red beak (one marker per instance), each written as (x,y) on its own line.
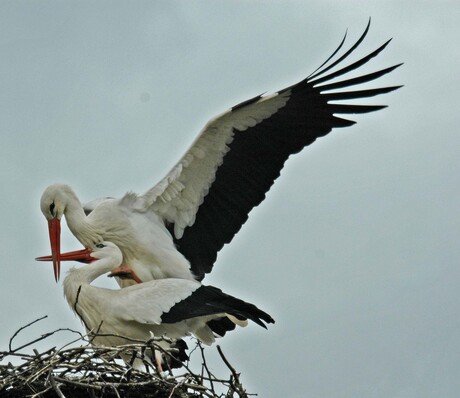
(83,256)
(54,228)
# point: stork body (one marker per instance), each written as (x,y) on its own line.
(176,228)
(172,308)
(147,245)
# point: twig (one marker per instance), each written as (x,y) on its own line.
(55,386)
(85,370)
(205,365)
(237,386)
(78,384)
(115,391)
(22,328)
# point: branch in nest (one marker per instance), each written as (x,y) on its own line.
(74,371)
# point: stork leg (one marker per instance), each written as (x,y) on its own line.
(125,272)
(157,355)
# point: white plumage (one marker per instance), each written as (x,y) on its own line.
(172,308)
(176,228)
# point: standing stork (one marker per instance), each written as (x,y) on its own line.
(176,228)
(172,308)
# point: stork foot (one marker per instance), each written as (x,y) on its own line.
(125,272)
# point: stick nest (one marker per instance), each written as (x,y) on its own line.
(86,371)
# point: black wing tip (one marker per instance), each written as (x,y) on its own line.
(373,108)
(354,109)
(319,75)
(269,319)
(383,46)
(392,68)
(260,321)
(359,94)
(327,65)
(341,122)
(354,82)
(394,88)
(260,317)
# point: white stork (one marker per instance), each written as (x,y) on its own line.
(176,228)
(172,308)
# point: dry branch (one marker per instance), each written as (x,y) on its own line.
(86,371)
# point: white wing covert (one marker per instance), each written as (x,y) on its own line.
(147,302)
(206,198)
(177,197)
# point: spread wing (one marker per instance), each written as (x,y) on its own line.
(208,194)
(148,302)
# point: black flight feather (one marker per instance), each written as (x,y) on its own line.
(209,300)
(258,154)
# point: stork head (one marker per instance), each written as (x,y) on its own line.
(54,201)
(104,251)
(107,250)
(53,204)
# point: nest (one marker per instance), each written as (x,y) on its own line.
(86,371)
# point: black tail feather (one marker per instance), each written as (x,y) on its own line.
(209,300)
(177,355)
(221,326)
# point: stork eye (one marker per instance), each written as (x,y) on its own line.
(100,245)
(52,206)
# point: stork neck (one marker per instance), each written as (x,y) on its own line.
(74,214)
(77,222)
(91,271)
(78,278)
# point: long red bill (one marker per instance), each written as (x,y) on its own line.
(54,228)
(83,256)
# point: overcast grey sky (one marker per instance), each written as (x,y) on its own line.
(355,250)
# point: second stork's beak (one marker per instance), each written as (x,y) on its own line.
(83,256)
